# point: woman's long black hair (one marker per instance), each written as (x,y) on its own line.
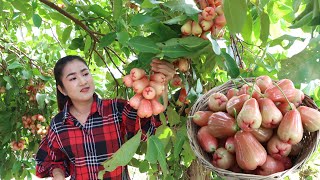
(58,69)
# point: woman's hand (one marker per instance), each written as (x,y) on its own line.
(164,67)
(58,174)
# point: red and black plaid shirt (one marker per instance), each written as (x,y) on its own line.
(79,149)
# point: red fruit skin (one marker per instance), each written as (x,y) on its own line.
(217,31)
(310,118)
(232,92)
(264,82)
(220,20)
(137,74)
(284,107)
(209,13)
(140,84)
(217,102)
(127,80)
(149,92)
(223,159)
(201,118)
(249,152)
(159,88)
(271,166)
(158,77)
(235,104)
(135,101)
(286,161)
(298,97)
(249,117)
(262,134)
(271,115)
(176,81)
(276,95)
(186,28)
(182,97)
(196,29)
(206,25)
(183,64)
(290,129)
(250,89)
(206,141)
(230,145)
(277,148)
(203,3)
(219,10)
(222,125)
(145,109)
(157,107)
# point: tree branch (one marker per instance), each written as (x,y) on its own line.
(75,20)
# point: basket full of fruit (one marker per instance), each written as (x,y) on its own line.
(254,128)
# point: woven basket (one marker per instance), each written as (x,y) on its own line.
(310,141)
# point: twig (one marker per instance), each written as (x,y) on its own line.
(235,48)
(114,63)
(117,84)
(75,20)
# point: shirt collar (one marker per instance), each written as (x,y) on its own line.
(95,107)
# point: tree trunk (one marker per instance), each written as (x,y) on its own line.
(196,172)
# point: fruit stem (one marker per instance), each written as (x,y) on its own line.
(252,86)
(283,95)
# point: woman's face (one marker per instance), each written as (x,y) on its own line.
(77,81)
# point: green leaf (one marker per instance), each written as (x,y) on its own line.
(286,37)
(163,119)
(59,17)
(87,44)
(41,100)
(161,154)
(173,116)
(303,21)
(231,65)
(144,44)
(187,7)
(23,7)
(247,28)
(123,155)
(214,44)
(15,65)
(98,10)
(199,87)
(235,13)
(164,133)
(265,25)
(304,66)
(123,38)
(175,51)
(143,166)
(176,20)
(178,144)
(107,39)
(77,43)
(162,31)
(117,9)
(296,4)
(66,34)
(140,19)
(37,20)
(152,153)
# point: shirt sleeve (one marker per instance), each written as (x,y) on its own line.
(131,122)
(49,157)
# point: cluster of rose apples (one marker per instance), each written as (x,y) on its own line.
(210,19)
(257,128)
(18,145)
(33,123)
(148,89)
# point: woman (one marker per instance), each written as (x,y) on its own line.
(88,130)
